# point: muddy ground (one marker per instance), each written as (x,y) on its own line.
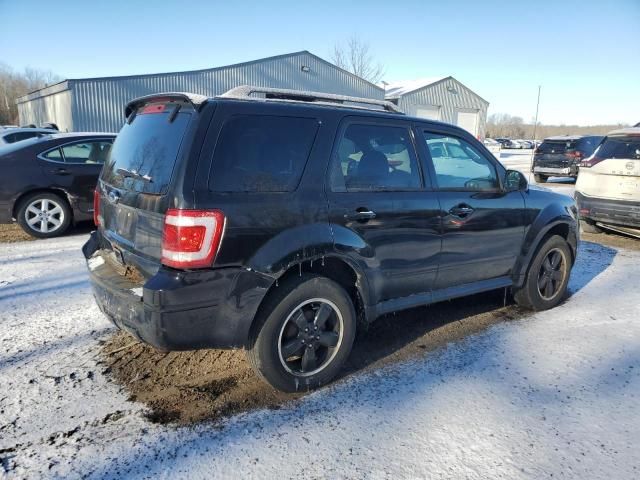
(188,387)
(13,233)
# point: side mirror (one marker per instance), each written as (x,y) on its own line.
(514,181)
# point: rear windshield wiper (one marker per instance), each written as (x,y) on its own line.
(133,174)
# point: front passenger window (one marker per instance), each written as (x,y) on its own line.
(459,165)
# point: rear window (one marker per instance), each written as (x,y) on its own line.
(261,153)
(148,146)
(557,146)
(627,147)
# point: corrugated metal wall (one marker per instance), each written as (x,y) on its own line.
(50,108)
(449,102)
(98,104)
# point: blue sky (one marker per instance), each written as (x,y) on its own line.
(585,54)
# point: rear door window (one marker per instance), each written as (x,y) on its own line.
(375,157)
(148,146)
(261,153)
(54,155)
(87,152)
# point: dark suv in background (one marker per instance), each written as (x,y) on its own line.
(278,221)
(561,156)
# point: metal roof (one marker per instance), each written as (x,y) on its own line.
(65,84)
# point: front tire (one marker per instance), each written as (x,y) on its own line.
(540,178)
(547,278)
(304,334)
(44,215)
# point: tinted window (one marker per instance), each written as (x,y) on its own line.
(86,152)
(627,147)
(147,146)
(24,135)
(261,153)
(459,165)
(375,157)
(54,155)
(587,145)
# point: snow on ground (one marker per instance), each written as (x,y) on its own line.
(555,394)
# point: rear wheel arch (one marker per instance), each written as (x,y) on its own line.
(332,267)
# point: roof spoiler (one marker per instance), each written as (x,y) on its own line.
(193,98)
(246,92)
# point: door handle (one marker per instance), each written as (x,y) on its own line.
(360,215)
(61,171)
(461,210)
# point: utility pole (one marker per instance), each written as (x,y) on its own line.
(535,126)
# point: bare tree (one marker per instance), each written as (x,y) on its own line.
(15,84)
(356,58)
(505,125)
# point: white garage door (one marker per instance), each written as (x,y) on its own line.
(468,119)
(431,112)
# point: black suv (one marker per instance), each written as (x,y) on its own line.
(561,156)
(47,182)
(280,223)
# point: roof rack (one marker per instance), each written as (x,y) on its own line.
(246,91)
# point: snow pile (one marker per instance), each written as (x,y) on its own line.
(554,394)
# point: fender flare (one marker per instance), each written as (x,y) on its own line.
(546,220)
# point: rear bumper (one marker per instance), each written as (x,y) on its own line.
(177,310)
(613,212)
(555,169)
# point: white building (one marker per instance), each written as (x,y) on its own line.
(444,99)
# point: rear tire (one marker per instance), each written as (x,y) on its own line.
(545,285)
(44,215)
(540,178)
(589,227)
(303,335)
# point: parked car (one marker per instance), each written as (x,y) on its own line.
(561,156)
(608,185)
(279,224)
(12,135)
(508,143)
(493,146)
(526,144)
(490,142)
(48,182)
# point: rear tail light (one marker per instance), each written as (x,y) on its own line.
(590,162)
(96,206)
(577,155)
(191,238)
(537,150)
